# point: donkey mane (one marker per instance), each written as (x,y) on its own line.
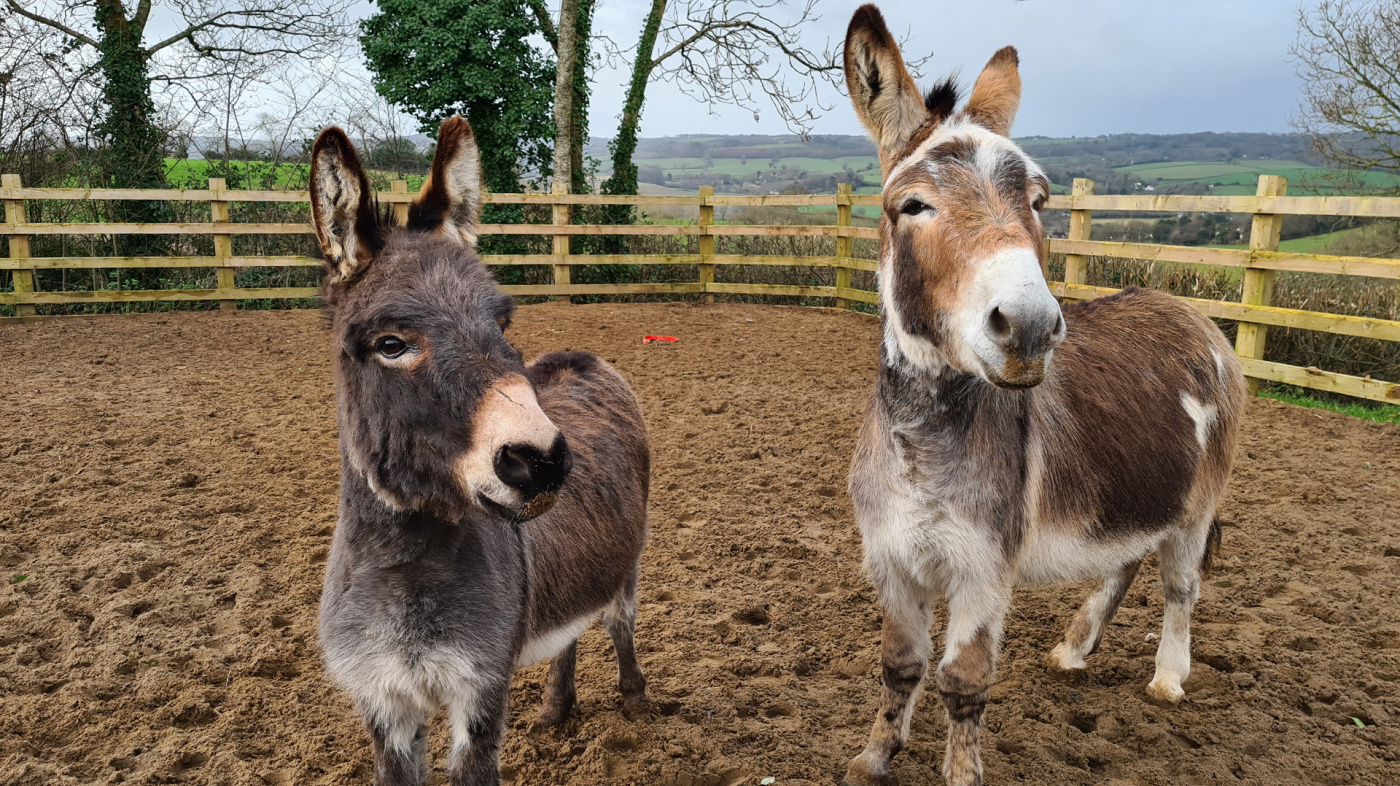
(942,99)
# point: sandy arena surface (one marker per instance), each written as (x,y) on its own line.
(168,489)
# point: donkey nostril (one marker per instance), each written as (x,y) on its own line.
(998,324)
(531,471)
(1059,332)
(515,465)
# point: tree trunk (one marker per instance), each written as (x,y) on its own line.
(135,149)
(578,183)
(567,60)
(624,176)
(134,145)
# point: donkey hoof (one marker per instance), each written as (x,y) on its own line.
(859,774)
(1165,694)
(548,718)
(1059,672)
(637,709)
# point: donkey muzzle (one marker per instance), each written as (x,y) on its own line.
(535,474)
(518,459)
(1025,331)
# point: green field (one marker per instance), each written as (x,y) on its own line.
(1241,178)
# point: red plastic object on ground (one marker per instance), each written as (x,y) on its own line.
(649,339)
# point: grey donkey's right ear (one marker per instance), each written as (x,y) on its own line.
(886,98)
(450,202)
(342,211)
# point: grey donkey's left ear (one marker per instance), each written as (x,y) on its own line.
(450,202)
(341,208)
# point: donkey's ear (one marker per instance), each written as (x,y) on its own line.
(340,206)
(997,93)
(882,89)
(450,202)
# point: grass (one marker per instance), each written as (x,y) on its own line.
(1240,178)
(1377,413)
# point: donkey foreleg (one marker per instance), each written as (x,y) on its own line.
(478,719)
(904,653)
(1086,630)
(620,618)
(976,610)
(400,738)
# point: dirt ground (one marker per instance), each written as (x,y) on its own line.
(168,493)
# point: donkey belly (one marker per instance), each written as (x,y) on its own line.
(546,644)
(1048,555)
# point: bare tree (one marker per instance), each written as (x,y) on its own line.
(212,39)
(1347,57)
(744,53)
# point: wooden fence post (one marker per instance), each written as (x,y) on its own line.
(1258,287)
(400,208)
(707,241)
(562,217)
(843,244)
(1080,228)
(223,244)
(19,244)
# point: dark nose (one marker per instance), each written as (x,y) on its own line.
(1026,330)
(533,472)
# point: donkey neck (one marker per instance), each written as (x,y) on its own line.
(407,536)
(938,398)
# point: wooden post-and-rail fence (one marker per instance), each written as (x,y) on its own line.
(1255,313)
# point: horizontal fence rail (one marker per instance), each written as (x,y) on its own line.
(1254,314)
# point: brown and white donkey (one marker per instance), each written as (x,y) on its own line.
(1008,441)
(489,510)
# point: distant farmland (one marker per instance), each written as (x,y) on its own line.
(1240,177)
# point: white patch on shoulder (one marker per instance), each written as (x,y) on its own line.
(549,643)
(1203,415)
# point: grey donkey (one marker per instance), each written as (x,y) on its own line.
(490,510)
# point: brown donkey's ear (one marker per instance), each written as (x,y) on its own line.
(450,202)
(882,89)
(997,93)
(340,206)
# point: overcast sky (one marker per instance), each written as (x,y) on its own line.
(1089,67)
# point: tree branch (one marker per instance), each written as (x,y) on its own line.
(55,24)
(546,24)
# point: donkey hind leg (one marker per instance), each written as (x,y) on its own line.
(399,732)
(559,692)
(1086,630)
(1179,556)
(620,618)
(975,615)
(904,652)
(478,719)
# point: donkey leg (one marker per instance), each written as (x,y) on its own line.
(620,618)
(478,718)
(904,652)
(399,732)
(1179,557)
(1086,630)
(975,615)
(559,692)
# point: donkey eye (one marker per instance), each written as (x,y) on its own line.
(914,207)
(390,346)
(1038,203)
